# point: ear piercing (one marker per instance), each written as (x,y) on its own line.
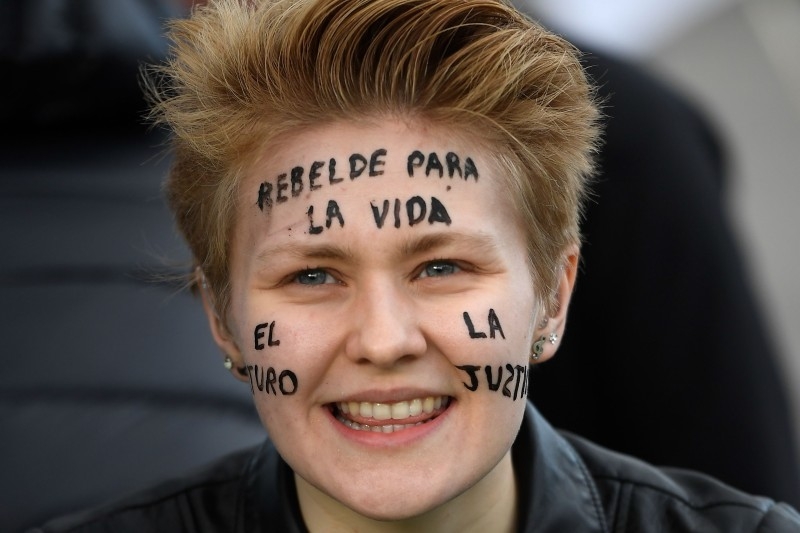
(202,277)
(538,346)
(228,364)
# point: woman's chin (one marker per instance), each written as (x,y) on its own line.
(393,505)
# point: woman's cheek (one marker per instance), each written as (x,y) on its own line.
(269,369)
(490,332)
(495,355)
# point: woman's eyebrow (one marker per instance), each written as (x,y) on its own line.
(306,251)
(479,242)
(417,245)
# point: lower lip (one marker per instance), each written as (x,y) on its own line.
(396,438)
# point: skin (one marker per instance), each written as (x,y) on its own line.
(368,314)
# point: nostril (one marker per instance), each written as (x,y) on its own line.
(386,359)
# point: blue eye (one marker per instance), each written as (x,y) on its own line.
(314,276)
(438,269)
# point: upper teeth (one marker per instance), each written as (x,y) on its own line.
(393,411)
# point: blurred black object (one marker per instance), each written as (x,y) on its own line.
(666,354)
(73,65)
(111,382)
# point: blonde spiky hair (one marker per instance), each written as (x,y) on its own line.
(244,72)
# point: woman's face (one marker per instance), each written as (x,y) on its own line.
(383,306)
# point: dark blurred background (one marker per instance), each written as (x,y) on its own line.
(737,60)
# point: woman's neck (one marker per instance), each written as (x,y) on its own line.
(489,505)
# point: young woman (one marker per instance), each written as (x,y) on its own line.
(382,199)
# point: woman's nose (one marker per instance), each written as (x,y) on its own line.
(386,326)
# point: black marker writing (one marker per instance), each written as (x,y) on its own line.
(380,217)
(331,212)
(332,179)
(434,164)
(269,381)
(516,374)
(472,333)
(265,196)
(312,229)
(472,370)
(453,164)
(258,334)
(281,186)
(421,208)
(297,181)
(494,326)
(470,169)
(357,165)
(416,211)
(375,162)
(313,175)
(292,184)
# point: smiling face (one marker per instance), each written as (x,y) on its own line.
(382,304)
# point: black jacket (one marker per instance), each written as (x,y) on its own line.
(566,484)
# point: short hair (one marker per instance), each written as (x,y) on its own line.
(241,73)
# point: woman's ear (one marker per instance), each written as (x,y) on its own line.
(550,329)
(233,358)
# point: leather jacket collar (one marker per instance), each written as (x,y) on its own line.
(554,489)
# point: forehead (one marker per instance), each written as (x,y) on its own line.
(346,177)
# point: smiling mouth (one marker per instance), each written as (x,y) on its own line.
(389,417)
